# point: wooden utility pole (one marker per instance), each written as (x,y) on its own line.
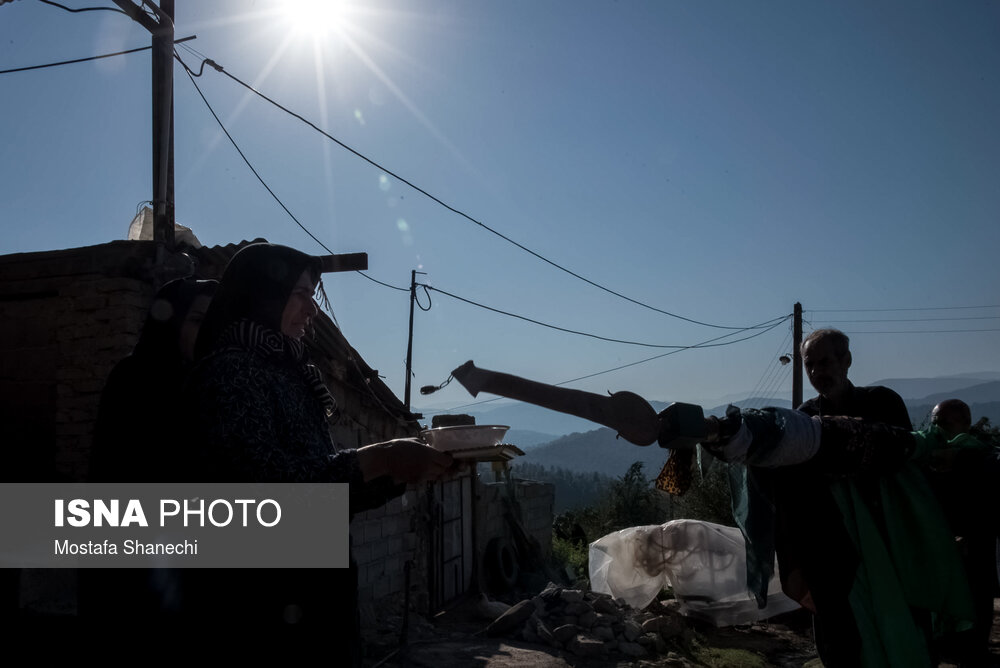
(162,29)
(409,340)
(797,356)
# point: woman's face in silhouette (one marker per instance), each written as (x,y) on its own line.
(192,323)
(300,308)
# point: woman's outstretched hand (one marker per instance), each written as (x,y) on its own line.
(405,460)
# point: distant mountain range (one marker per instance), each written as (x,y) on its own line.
(556,439)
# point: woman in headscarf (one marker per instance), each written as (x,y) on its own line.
(137,414)
(263,414)
(138,439)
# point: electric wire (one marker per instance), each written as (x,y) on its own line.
(771,390)
(83,9)
(417,301)
(977,317)
(454,210)
(773,362)
(926,331)
(772,367)
(910,308)
(87,59)
(245,159)
(555,327)
(375,280)
(191,76)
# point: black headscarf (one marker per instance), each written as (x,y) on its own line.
(255,286)
(135,426)
(169,308)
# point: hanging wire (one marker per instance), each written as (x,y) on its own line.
(454,210)
(83,9)
(774,365)
(567,330)
(976,317)
(263,183)
(245,159)
(76,60)
(908,308)
(417,301)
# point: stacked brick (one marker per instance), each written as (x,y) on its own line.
(383,540)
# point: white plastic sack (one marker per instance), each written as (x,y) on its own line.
(704,564)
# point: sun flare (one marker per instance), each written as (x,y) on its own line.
(314,17)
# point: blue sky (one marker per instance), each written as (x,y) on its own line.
(716,160)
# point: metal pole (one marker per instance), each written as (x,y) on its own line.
(797,356)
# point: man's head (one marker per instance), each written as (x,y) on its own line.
(826,356)
(952,416)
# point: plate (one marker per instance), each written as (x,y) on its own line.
(462,437)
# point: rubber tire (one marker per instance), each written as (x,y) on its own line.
(500,565)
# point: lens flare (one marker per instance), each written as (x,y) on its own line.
(314,17)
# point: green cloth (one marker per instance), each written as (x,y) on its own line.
(933,438)
(915,565)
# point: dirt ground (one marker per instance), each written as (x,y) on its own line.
(455,640)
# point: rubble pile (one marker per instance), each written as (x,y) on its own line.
(587,623)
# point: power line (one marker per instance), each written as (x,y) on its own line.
(781,374)
(978,317)
(550,326)
(89,58)
(83,9)
(928,331)
(245,159)
(375,280)
(772,368)
(454,210)
(912,308)
(192,76)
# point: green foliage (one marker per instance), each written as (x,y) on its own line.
(708,499)
(571,555)
(632,501)
(985,432)
(572,490)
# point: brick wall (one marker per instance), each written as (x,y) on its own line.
(68,317)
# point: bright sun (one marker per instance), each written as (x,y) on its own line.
(314,17)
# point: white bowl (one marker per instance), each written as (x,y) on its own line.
(463,437)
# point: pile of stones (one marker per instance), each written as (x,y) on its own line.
(587,623)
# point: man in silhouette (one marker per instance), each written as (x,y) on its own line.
(816,557)
(963,473)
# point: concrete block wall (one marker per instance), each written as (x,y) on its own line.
(67,320)
(537,501)
(384,539)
